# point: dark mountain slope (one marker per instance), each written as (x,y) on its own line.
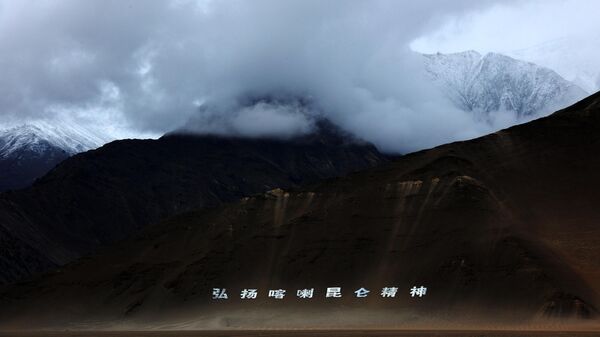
(502,230)
(22,167)
(104,195)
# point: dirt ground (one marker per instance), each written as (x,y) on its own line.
(302,333)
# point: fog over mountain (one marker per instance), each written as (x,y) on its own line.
(152,67)
(574,58)
(299,168)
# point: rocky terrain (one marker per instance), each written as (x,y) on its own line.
(502,230)
(100,196)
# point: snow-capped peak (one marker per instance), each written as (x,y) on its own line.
(38,136)
(495,82)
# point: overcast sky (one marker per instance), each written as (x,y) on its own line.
(137,68)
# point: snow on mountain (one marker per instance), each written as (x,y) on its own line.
(489,83)
(38,136)
(30,150)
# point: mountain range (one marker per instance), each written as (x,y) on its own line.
(486,85)
(100,196)
(491,84)
(502,230)
(30,150)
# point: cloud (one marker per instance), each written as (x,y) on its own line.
(155,66)
(260,119)
(509,26)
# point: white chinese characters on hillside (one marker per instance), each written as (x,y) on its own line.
(334,292)
(306,293)
(219,294)
(249,294)
(420,291)
(362,292)
(309,293)
(389,292)
(278,294)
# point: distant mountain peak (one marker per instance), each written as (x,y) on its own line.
(29,150)
(37,136)
(493,82)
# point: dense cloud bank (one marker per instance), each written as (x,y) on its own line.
(155,66)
